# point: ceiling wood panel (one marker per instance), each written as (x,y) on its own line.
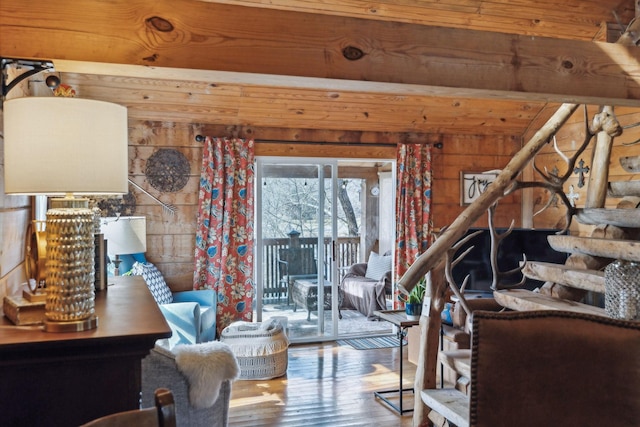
(434,66)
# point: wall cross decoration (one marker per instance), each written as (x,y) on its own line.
(572,196)
(581,170)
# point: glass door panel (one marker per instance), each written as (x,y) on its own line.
(295,231)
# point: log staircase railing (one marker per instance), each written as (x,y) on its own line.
(581,272)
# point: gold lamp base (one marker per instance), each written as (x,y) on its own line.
(70,303)
(73,326)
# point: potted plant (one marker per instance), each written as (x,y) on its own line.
(413,302)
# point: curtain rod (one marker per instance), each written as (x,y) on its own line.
(200,138)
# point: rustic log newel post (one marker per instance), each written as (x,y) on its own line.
(609,127)
(430,322)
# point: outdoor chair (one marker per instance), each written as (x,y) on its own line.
(367,285)
(295,263)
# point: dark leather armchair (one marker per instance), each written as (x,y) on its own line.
(554,368)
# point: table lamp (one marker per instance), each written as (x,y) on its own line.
(125,235)
(66,146)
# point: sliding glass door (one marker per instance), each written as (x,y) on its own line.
(295,236)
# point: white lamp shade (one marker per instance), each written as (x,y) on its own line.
(55,146)
(125,234)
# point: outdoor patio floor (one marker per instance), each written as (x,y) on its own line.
(352,324)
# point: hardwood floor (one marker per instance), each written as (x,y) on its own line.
(325,385)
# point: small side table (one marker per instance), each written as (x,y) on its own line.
(305,294)
(398,318)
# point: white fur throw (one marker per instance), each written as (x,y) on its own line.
(206,366)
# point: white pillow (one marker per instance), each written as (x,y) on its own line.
(155,281)
(377,266)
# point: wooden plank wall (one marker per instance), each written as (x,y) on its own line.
(569,138)
(171,239)
(471,154)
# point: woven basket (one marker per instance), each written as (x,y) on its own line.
(260,348)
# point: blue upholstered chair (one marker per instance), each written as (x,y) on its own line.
(191,314)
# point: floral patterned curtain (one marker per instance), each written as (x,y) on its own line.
(224,234)
(413,206)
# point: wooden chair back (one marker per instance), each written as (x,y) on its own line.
(297,261)
(554,368)
(162,415)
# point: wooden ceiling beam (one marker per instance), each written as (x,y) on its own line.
(540,18)
(258,41)
(209,100)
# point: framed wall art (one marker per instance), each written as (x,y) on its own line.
(473,184)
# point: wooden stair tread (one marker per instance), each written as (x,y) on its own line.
(623,188)
(450,403)
(458,360)
(524,300)
(628,218)
(589,280)
(628,250)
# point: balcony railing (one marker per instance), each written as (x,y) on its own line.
(347,253)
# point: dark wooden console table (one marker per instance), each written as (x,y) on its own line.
(66,379)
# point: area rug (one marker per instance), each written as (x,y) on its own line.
(352,325)
(368,343)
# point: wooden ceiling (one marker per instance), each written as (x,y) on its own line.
(400,66)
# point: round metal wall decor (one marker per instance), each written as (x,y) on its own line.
(167,170)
